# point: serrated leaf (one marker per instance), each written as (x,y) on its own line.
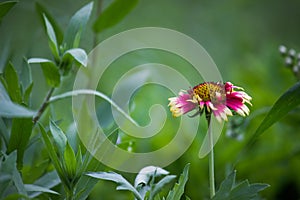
(288,101)
(178,189)
(78,54)
(77,25)
(43,11)
(37,188)
(51,38)
(160,185)
(5,7)
(123,184)
(146,173)
(19,138)
(113,14)
(225,187)
(59,137)
(12,83)
(50,70)
(70,161)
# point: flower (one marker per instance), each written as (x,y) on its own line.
(218,98)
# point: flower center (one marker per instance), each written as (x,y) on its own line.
(209,91)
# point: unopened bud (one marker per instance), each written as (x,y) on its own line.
(296,69)
(288,61)
(292,52)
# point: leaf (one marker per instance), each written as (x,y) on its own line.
(50,70)
(178,189)
(226,186)
(20,135)
(5,7)
(113,14)
(8,169)
(288,101)
(12,83)
(70,161)
(243,191)
(59,137)
(48,181)
(78,54)
(77,25)
(27,93)
(52,153)
(146,173)
(51,38)
(37,188)
(43,11)
(123,184)
(159,186)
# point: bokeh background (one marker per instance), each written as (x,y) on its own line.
(242,37)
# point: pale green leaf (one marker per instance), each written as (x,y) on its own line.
(78,54)
(59,137)
(51,38)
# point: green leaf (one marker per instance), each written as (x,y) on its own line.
(70,161)
(16,197)
(288,101)
(27,93)
(43,11)
(20,135)
(8,169)
(52,153)
(178,189)
(37,188)
(159,186)
(225,187)
(77,25)
(59,137)
(51,38)
(48,180)
(12,83)
(50,70)
(78,54)
(10,109)
(123,184)
(113,14)
(5,7)
(243,191)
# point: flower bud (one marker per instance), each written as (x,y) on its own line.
(283,50)
(296,69)
(292,52)
(288,61)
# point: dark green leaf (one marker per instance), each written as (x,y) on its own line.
(70,161)
(59,137)
(113,14)
(16,197)
(19,137)
(52,38)
(4,133)
(123,184)
(12,83)
(43,11)
(52,153)
(178,189)
(78,54)
(226,186)
(288,101)
(27,93)
(77,25)
(5,7)
(50,70)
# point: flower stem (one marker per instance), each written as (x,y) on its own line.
(211,164)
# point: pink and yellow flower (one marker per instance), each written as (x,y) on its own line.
(212,97)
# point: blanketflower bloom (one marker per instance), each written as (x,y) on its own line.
(217,98)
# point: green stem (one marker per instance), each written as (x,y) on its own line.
(211,164)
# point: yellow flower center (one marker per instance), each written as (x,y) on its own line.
(209,91)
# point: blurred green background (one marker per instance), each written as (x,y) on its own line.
(242,37)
